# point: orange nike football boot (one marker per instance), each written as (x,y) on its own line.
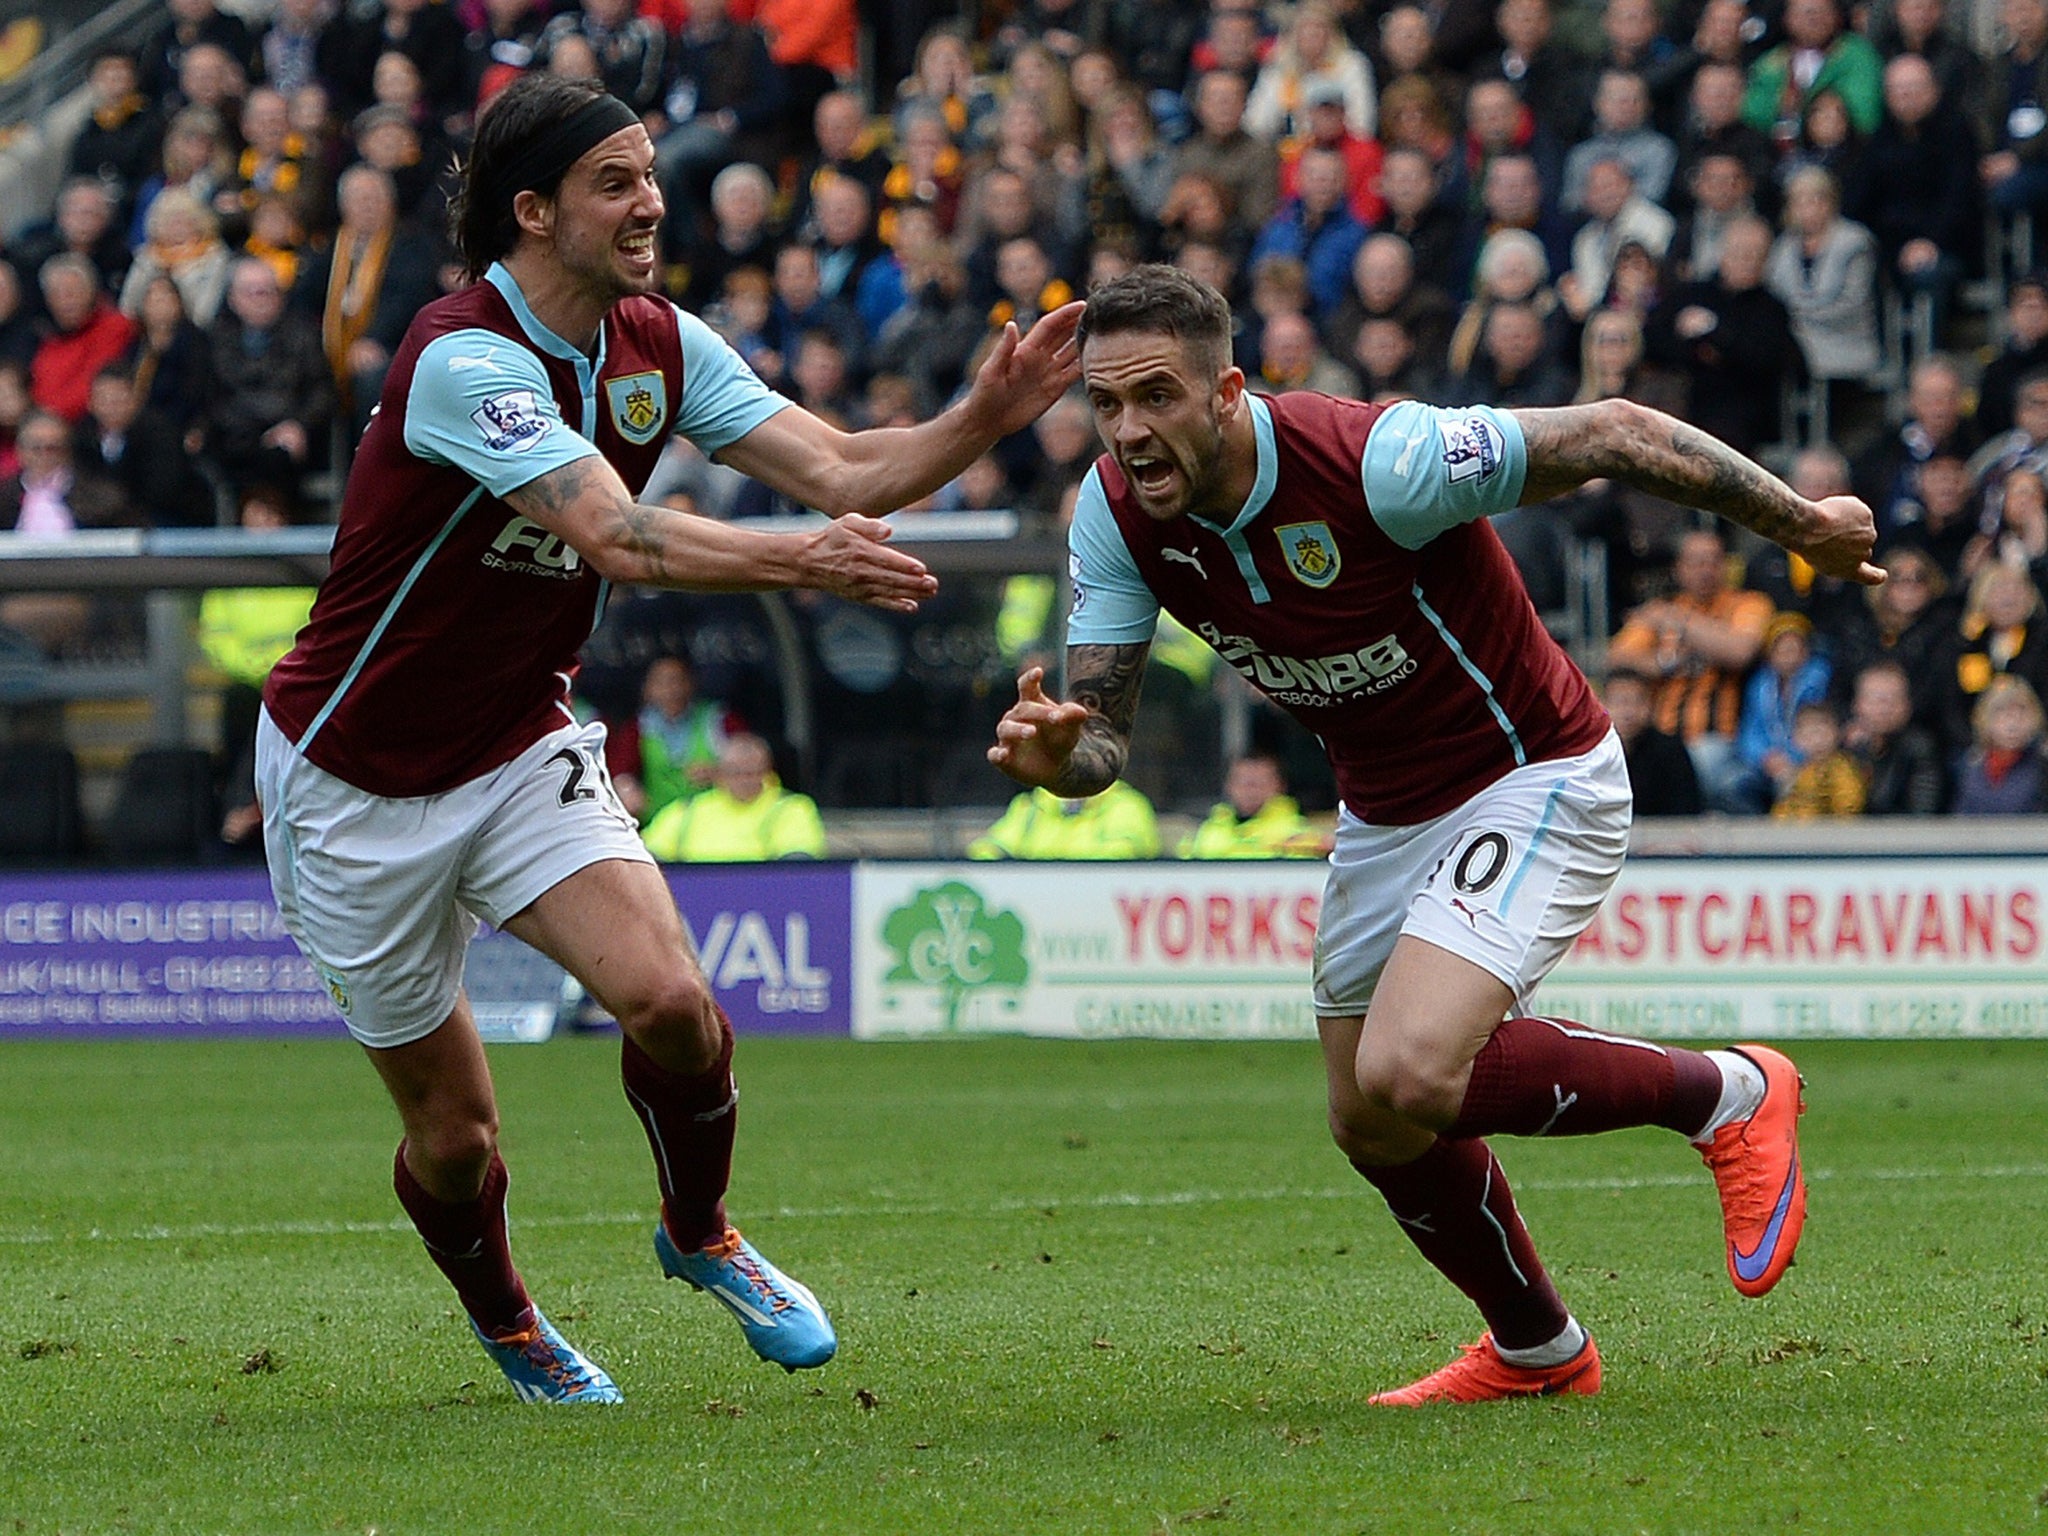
(1479,1375)
(1755,1163)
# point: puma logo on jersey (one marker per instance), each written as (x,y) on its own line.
(1184,558)
(526,546)
(459,363)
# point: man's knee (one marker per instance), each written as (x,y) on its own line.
(1411,1086)
(450,1147)
(1371,1136)
(673,1017)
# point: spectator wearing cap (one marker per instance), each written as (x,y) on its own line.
(1621,131)
(1329,130)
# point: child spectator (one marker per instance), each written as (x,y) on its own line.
(1829,782)
(1790,678)
(2004,773)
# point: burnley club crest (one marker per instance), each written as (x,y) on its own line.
(639,405)
(1311,553)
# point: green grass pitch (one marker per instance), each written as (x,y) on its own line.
(1080,1288)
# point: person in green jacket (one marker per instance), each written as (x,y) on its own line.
(745,817)
(1257,818)
(1819,54)
(1116,824)
(680,739)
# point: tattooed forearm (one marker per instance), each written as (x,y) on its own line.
(1618,440)
(1106,678)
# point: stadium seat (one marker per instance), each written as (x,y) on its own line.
(166,812)
(39,821)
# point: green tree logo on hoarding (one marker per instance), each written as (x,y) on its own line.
(947,938)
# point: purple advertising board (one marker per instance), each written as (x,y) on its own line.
(202,952)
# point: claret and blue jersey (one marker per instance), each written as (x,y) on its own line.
(444,639)
(1361,589)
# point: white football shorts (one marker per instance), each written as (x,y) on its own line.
(1507,881)
(384,895)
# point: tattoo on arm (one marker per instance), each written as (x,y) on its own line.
(1106,678)
(1656,453)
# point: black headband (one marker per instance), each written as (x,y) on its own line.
(544,159)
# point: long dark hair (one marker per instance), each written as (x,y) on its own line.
(480,220)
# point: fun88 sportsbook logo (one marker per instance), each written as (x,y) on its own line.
(1473,448)
(510,420)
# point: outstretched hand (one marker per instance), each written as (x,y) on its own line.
(1037,734)
(1839,541)
(1023,375)
(849,557)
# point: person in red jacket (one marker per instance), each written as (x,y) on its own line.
(85,334)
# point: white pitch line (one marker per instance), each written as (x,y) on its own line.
(1121,1200)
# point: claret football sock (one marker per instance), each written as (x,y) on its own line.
(1454,1204)
(467,1241)
(689,1120)
(1550,1077)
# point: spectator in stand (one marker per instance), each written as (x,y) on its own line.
(502,48)
(1279,287)
(375,275)
(273,159)
(425,31)
(1721,193)
(1552,80)
(2004,773)
(1908,192)
(134,453)
(928,172)
(1660,771)
(244,632)
(1406,50)
(1511,197)
(744,817)
(17,324)
(815,43)
(1317,228)
(1155,39)
(1791,677)
(1611,364)
(1700,642)
(184,245)
(741,315)
(2021,537)
(1363,158)
(1232,39)
(270,394)
(1064,438)
(821,378)
(84,333)
(1311,51)
(1827,781)
(288,53)
(388,138)
(1919,29)
(2025,351)
(1117,824)
(670,750)
(2000,634)
(1888,475)
(931,336)
(195,159)
(1058,26)
(846,144)
(45,498)
(1512,369)
(1245,166)
(170,359)
(1384,287)
(1621,131)
(1950,515)
(1040,76)
(1129,173)
(1292,357)
(1819,54)
(1390,366)
(1497,125)
(1714,126)
(944,83)
(740,234)
(1823,268)
(1616,214)
(1636,44)
(1511,271)
(86,223)
(1408,185)
(2015,172)
(1906,622)
(723,100)
(1256,819)
(1828,140)
(1901,764)
(801,306)
(2023,446)
(190,24)
(1412,117)
(117,147)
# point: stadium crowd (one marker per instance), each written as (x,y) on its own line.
(1778,219)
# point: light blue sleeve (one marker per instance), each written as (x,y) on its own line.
(723,399)
(484,405)
(1428,469)
(1112,604)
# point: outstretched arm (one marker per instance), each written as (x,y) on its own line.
(814,463)
(1620,440)
(586,505)
(1078,747)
